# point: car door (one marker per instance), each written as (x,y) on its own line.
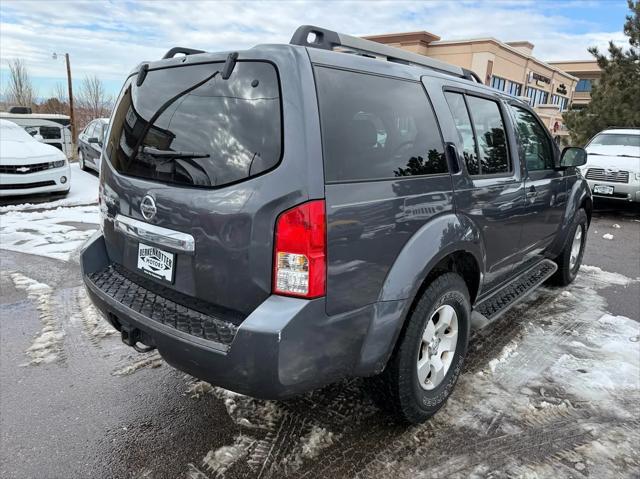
(490,191)
(96,148)
(546,187)
(83,143)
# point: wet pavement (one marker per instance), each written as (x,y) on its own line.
(552,389)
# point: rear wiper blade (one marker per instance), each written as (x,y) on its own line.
(595,154)
(149,150)
(629,156)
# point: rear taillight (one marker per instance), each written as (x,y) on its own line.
(300,259)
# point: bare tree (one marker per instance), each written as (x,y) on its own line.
(92,101)
(60,92)
(57,102)
(21,91)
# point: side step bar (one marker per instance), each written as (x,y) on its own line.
(513,292)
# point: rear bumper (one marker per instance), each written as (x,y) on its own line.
(622,191)
(48,181)
(285,347)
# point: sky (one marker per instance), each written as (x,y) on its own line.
(107,38)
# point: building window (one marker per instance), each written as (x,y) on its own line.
(498,83)
(560,101)
(583,86)
(514,89)
(536,96)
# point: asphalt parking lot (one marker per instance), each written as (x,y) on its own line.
(552,389)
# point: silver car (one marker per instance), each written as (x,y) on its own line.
(613,164)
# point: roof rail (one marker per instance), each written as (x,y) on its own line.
(175,50)
(317,37)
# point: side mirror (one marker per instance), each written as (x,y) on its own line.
(573,156)
(39,137)
(93,139)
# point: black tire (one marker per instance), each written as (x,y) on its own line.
(397,389)
(81,161)
(566,272)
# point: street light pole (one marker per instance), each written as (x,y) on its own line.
(73,121)
(71,115)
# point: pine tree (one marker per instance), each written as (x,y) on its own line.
(615,99)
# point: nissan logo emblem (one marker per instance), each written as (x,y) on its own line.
(148,207)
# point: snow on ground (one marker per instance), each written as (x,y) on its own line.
(551,389)
(84,191)
(46,347)
(55,233)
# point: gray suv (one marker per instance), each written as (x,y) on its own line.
(280,218)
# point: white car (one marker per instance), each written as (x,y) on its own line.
(28,166)
(613,164)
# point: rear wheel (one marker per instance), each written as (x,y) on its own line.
(81,161)
(570,259)
(430,353)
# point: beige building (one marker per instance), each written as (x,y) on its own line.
(588,72)
(510,67)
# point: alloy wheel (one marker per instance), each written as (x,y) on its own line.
(437,347)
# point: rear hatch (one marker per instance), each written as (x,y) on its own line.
(196,157)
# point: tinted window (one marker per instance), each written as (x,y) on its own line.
(232,127)
(490,134)
(583,85)
(376,128)
(536,147)
(50,132)
(465,131)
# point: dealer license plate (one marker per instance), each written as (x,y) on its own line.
(603,189)
(156,262)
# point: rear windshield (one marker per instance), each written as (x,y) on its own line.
(188,126)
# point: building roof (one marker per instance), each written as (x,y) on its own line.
(522,47)
(506,46)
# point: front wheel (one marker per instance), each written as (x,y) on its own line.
(430,353)
(570,259)
(81,161)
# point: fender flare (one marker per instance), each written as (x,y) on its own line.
(575,198)
(440,237)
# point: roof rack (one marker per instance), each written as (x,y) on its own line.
(317,37)
(175,50)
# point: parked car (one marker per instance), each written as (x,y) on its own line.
(90,144)
(613,164)
(28,166)
(53,128)
(229,183)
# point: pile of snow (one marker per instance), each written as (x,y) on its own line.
(607,236)
(50,233)
(84,191)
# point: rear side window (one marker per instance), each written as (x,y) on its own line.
(490,135)
(376,128)
(188,126)
(465,131)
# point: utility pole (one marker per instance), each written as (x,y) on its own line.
(73,121)
(71,115)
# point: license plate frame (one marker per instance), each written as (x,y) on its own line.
(603,190)
(156,262)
